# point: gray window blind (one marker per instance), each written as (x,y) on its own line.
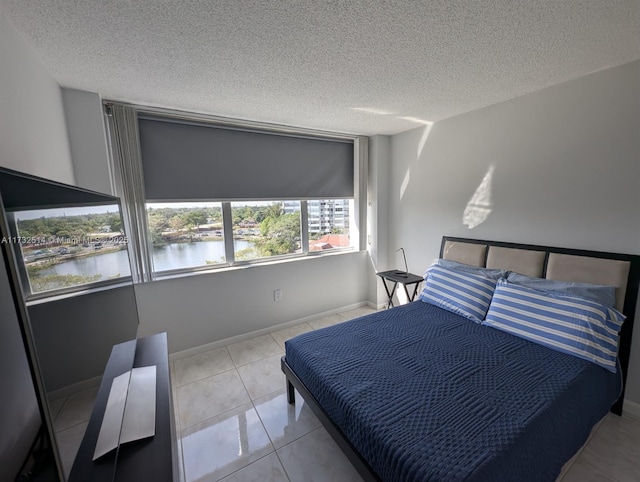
(190,161)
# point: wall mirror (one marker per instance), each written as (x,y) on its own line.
(67,298)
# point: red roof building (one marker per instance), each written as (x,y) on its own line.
(330,241)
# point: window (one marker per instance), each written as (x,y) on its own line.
(329,221)
(265,194)
(185,235)
(63,248)
(262,229)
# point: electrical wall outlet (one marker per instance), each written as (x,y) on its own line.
(277,295)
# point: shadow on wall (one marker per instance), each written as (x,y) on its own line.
(416,120)
(426,130)
(479,206)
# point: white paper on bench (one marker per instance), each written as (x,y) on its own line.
(112,421)
(131,410)
(140,410)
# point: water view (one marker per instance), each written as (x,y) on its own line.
(169,257)
(108,265)
(67,248)
(190,255)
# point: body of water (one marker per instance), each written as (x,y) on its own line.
(110,265)
(169,257)
(191,255)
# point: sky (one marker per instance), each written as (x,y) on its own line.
(113,208)
(68,211)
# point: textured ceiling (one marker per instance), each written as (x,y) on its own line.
(348,66)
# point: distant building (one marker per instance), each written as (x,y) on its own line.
(325,216)
(330,241)
(105,229)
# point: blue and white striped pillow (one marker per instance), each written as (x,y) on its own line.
(463,293)
(570,324)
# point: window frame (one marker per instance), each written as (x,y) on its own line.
(131,191)
(25,280)
(179,271)
(227,227)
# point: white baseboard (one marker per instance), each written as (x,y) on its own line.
(373,306)
(263,331)
(69,390)
(631,409)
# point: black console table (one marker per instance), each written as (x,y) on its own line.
(148,459)
(399,277)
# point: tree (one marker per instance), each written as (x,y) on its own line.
(280,235)
(275,210)
(115,222)
(157,224)
(176,223)
(196,217)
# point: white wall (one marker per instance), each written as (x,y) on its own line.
(378,215)
(33,135)
(566,169)
(19,413)
(200,309)
(33,139)
(87,140)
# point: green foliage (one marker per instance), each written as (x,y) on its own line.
(177,222)
(57,281)
(246,254)
(242,215)
(161,221)
(195,217)
(68,226)
(280,234)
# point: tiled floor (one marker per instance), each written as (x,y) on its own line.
(70,419)
(234,423)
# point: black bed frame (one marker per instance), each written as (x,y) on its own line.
(631,296)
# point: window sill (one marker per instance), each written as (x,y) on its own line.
(242,265)
(40,298)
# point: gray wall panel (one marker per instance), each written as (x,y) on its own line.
(74,336)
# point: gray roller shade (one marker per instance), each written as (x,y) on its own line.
(196,162)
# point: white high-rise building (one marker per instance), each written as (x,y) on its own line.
(325,215)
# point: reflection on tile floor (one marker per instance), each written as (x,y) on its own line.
(70,418)
(242,428)
(234,423)
(224,444)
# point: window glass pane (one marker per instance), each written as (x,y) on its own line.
(265,228)
(67,247)
(329,223)
(185,235)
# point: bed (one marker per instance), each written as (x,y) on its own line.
(419,392)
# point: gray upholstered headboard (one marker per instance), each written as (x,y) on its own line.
(612,269)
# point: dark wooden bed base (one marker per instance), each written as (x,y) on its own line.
(360,464)
(633,284)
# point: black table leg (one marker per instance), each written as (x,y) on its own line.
(415,292)
(390,294)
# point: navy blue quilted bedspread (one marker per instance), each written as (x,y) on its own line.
(426,395)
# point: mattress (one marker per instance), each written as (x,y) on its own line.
(426,395)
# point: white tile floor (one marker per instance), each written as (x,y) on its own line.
(234,423)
